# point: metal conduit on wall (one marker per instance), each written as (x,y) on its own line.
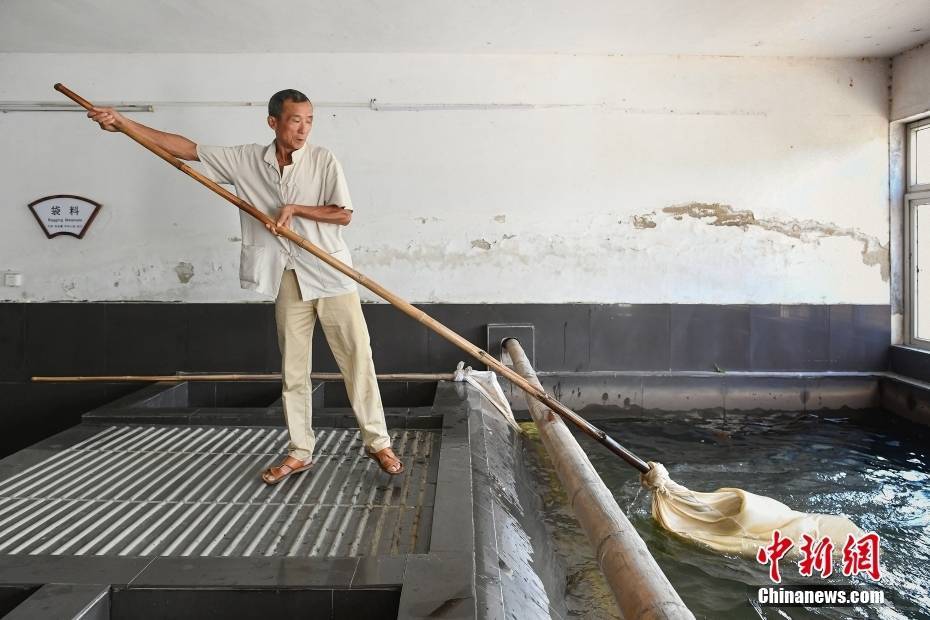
(641,589)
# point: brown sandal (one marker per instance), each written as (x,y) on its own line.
(387,461)
(274,475)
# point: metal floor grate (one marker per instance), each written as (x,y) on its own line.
(195,491)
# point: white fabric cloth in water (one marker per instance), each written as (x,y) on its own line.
(485,381)
(736,521)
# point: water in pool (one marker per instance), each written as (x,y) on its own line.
(869,465)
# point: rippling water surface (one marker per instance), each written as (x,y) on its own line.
(868,465)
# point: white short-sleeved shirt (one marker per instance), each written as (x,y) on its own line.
(314,178)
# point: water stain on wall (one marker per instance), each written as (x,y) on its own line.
(873,251)
(185,272)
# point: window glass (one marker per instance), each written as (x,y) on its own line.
(920,156)
(921,257)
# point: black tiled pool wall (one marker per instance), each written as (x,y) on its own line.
(150,338)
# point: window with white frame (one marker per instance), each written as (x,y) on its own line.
(917,200)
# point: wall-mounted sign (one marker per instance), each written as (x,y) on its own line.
(64,214)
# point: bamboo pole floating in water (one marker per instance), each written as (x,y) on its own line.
(271,376)
(404,306)
(641,589)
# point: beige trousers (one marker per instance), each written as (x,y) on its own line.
(347,335)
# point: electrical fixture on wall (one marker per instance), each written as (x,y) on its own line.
(12,278)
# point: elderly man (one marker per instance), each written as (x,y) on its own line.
(301,186)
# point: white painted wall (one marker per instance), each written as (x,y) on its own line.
(910,84)
(796,28)
(551,189)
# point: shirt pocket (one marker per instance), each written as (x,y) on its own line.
(251,258)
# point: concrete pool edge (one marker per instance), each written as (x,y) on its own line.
(474,568)
(441,580)
(488,553)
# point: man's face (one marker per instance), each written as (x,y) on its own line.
(292,128)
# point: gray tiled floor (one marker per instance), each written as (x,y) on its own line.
(134,490)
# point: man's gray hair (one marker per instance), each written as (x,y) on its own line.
(276,103)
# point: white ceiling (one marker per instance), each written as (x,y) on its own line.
(805,28)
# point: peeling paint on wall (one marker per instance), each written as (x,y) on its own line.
(185,272)
(573,202)
(873,251)
(643,221)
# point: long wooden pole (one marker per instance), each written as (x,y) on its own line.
(407,308)
(265,376)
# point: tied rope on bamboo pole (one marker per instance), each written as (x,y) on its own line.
(728,520)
